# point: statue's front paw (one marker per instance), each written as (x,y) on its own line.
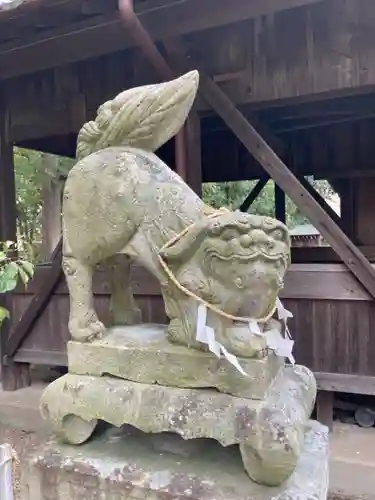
(243,343)
(86,330)
(178,334)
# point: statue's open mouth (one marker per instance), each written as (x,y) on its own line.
(250,257)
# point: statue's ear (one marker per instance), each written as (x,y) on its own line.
(188,244)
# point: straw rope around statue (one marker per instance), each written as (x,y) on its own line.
(172,277)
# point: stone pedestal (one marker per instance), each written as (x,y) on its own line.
(142,353)
(135,376)
(127,464)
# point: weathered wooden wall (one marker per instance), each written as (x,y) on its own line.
(333,324)
(46,343)
(325,46)
(298,53)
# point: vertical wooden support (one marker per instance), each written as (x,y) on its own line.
(51,210)
(51,217)
(13,375)
(280,209)
(364,199)
(347,189)
(324,408)
(193,152)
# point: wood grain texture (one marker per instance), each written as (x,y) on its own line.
(13,376)
(334,330)
(103,34)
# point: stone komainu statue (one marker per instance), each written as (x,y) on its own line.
(218,270)
(120,198)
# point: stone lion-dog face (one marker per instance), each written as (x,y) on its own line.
(239,255)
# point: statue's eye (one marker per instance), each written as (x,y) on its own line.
(229,234)
(278,234)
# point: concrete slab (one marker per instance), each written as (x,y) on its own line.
(20,409)
(352,463)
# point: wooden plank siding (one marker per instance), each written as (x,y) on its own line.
(333,322)
(299,53)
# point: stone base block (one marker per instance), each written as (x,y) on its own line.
(142,353)
(127,464)
(270,432)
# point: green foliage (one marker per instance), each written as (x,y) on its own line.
(33,170)
(11,272)
(232,194)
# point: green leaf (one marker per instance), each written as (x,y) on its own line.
(8,245)
(23,275)
(4,314)
(3,256)
(27,267)
(8,277)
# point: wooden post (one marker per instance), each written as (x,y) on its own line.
(347,189)
(364,202)
(280,209)
(193,152)
(324,408)
(51,217)
(13,375)
(51,210)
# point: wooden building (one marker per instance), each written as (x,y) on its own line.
(305,235)
(297,76)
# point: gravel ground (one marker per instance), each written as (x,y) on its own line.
(22,442)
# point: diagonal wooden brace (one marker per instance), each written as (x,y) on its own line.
(38,304)
(276,168)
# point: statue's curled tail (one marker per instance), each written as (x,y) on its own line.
(143,117)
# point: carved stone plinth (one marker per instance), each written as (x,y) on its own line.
(142,353)
(125,464)
(270,432)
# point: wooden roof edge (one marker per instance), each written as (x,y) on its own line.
(10,9)
(305,236)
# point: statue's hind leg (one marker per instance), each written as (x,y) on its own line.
(84,324)
(124,309)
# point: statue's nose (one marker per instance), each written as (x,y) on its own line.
(257,237)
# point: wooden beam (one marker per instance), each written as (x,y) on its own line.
(276,168)
(340,382)
(37,305)
(360,173)
(324,408)
(325,122)
(348,205)
(51,209)
(42,357)
(333,282)
(105,34)
(192,131)
(323,254)
(13,376)
(253,195)
(280,209)
(322,202)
